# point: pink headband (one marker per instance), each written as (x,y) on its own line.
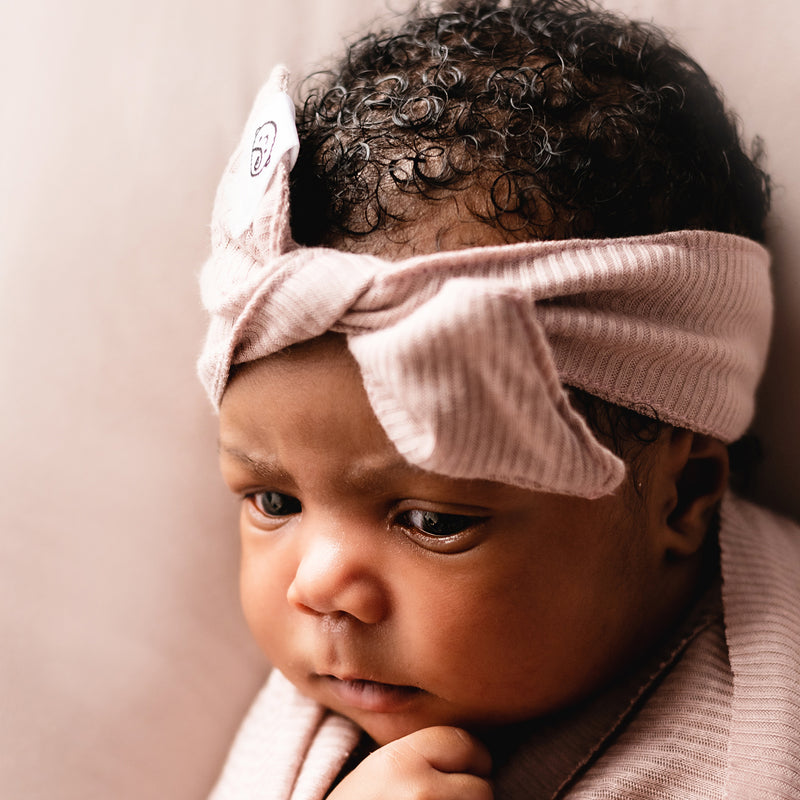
(463,353)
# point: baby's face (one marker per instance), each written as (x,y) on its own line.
(404,599)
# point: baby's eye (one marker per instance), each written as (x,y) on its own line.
(434,523)
(275,504)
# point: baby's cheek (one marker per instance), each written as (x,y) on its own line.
(262,585)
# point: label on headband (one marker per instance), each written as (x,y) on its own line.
(269,135)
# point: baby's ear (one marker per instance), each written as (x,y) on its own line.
(694,476)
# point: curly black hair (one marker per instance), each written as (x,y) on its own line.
(551,119)
(548,119)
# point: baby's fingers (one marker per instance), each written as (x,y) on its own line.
(441,763)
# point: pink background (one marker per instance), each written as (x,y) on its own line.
(125,664)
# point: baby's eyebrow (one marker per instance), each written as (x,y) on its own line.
(265,467)
(370,475)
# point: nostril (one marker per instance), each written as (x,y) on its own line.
(297,599)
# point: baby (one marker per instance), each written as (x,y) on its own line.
(482,327)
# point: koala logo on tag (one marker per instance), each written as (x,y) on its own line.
(262,147)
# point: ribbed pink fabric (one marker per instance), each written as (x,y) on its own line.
(464,353)
(676,746)
(724,723)
(288,747)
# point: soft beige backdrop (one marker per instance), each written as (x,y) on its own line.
(125,664)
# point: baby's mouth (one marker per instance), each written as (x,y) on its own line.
(367,695)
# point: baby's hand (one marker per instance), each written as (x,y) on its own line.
(441,763)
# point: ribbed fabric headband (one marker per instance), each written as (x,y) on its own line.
(463,353)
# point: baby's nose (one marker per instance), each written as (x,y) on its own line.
(337,574)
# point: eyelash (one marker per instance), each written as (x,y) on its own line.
(277,505)
(449,525)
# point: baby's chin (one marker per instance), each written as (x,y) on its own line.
(402,711)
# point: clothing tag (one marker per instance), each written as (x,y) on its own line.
(269,135)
